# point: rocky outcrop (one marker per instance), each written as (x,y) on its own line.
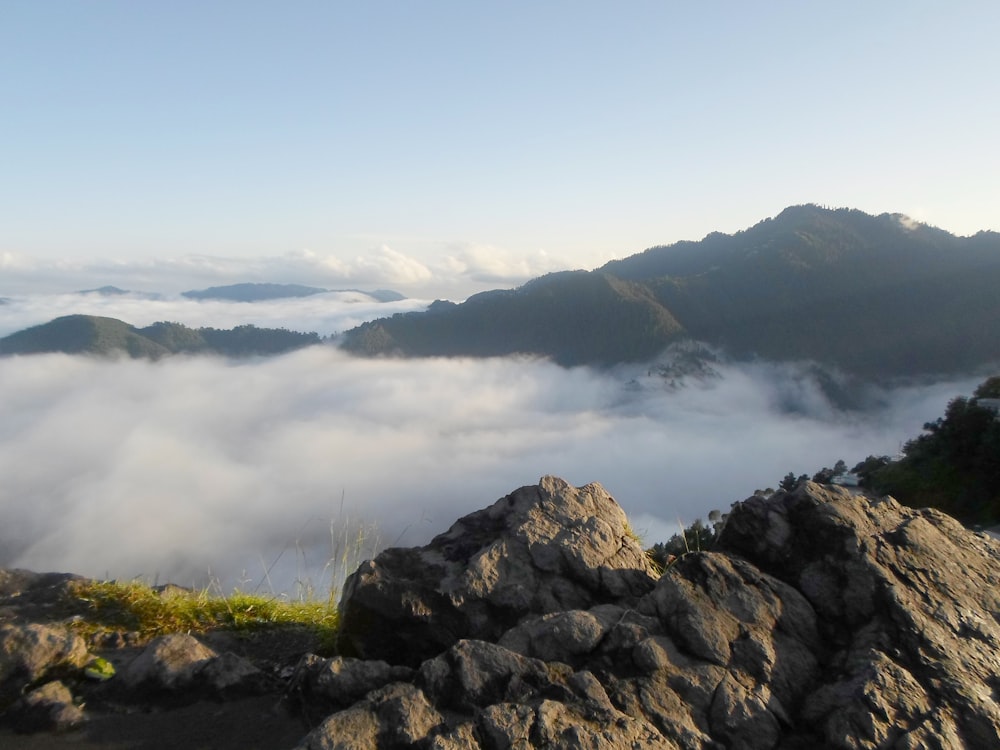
(823,618)
(541,549)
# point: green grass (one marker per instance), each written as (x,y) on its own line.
(135,606)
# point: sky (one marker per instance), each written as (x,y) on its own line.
(281,474)
(442,148)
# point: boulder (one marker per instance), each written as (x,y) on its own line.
(169,662)
(180,663)
(541,549)
(31,651)
(398,715)
(325,685)
(908,612)
(823,618)
(49,707)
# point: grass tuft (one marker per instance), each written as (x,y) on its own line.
(135,606)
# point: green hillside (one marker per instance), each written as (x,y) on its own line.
(873,295)
(575,317)
(93,335)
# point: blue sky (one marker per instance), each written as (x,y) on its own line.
(444,147)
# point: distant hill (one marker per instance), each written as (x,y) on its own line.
(576,317)
(261,292)
(874,296)
(94,335)
(107,290)
(114,291)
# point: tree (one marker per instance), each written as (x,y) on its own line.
(953,466)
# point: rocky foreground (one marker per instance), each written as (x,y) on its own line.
(822,619)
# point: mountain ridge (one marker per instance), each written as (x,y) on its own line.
(104,336)
(875,296)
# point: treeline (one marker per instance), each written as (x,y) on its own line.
(953,466)
(89,334)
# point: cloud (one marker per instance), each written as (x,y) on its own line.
(186,468)
(380,267)
(490,264)
(448,270)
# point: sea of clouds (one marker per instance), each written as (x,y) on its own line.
(280,473)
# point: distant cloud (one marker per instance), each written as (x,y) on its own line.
(490,264)
(190,467)
(452,271)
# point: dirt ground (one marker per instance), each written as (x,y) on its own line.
(258,723)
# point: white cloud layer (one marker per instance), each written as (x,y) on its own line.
(453,271)
(189,467)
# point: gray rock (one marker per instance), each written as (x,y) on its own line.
(326,685)
(170,662)
(477,673)
(229,675)
(398,715)
(30,651)
(561,636)
(542,549)
(822,619)
(48,708)
(908,603)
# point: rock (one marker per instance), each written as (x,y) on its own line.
(46,708)
(823,618)
(169,662)
(325,685)
(31,651)
(229,675)
(562,636)
(477,673)
(908,604)
(541,549)
(398,715)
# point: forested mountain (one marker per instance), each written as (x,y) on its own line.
(90,334)
(575,316)
(872,295)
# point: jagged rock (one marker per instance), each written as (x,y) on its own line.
(477,673)
(230,674)
(46,708)
(169,662)
(541,549)
(30,651)
(326,685)
(180,662)
(908,604)
(824,618)
(398,715)
(29,596)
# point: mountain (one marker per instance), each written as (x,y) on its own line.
(114,291)
(875,296)
(253,292)
(574,316)
(90,334)
(260,292)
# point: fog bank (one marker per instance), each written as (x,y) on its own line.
(187,469)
